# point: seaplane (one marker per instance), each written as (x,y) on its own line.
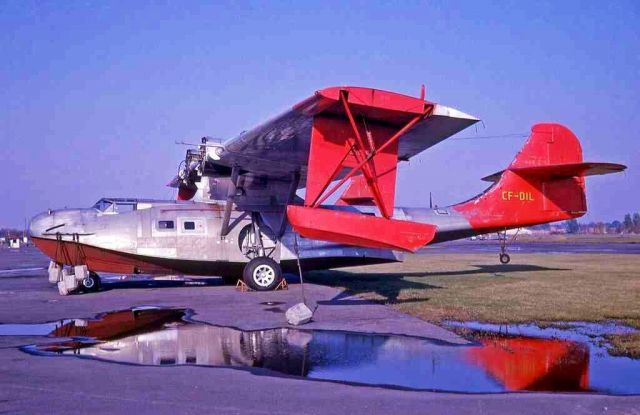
(238,215)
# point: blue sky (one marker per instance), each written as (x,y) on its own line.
(94,94)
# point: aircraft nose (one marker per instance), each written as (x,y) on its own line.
(62,221)
(40,223)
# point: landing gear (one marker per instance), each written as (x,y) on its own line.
(502,236)
(257,242)
(257,239)
(262,274)
(75,279)
(91,283)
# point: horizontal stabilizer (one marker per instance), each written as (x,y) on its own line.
(560,171)
(359,229)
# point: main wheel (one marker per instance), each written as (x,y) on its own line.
(91,283)
(505,258)
(262,274)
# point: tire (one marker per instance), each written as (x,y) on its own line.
(262,274)
(505,258)
(91,283)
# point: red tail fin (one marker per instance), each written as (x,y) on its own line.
(544,183)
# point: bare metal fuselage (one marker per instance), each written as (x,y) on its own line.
(168,237)
(179,237)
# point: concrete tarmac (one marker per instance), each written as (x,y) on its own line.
(37,384)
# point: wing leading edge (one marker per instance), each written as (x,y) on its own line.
(281,145)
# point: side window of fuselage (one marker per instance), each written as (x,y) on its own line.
(166,224)
(191,226)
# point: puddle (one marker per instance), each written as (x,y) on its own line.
(495,362)
(106,326)
(608,374)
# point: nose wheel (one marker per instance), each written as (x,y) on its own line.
(91,282)
(505,258)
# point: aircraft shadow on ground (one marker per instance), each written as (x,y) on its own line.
(150,283)
(497,269)
(389,284)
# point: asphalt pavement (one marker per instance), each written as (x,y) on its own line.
(39,384)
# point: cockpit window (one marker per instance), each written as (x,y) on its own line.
(125,207)
(103,205)
(114,206)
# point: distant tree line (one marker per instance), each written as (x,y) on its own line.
(630,224)
(10,233)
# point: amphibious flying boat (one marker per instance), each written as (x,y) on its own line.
(238,214)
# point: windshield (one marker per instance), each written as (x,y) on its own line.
(103,205)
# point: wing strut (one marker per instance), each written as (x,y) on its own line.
(231,194)
(295,180)
(339,146)
(368,168)
(366,159)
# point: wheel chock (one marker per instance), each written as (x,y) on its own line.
(284,285)
(243,287)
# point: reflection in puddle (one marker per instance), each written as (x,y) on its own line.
(494,363)
(609,374)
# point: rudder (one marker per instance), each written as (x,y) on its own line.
(548,144)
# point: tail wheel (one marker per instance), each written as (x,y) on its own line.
(262,274)
(502,235)
(91,283)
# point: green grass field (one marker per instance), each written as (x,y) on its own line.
(582,238)
(540,288)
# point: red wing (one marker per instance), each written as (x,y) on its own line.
(282,144)
(336,134)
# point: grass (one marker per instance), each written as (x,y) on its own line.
(582,238)
(625,345)
(540,288)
